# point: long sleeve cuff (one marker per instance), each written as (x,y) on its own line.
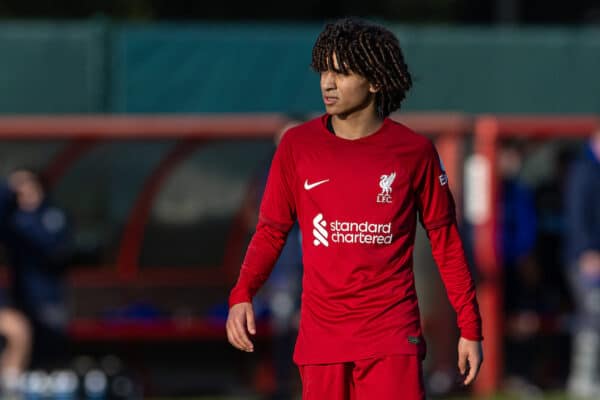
(472,333)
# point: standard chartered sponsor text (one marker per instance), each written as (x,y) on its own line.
(360,232)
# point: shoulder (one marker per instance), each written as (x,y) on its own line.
(407,137)
(6,194)
(522,189)
(582,168)
(308,128)
(302,134)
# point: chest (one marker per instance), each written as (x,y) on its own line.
(362,180)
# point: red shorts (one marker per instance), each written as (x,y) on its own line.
(389,378)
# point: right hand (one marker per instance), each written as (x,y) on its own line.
(470,357)
(240,323)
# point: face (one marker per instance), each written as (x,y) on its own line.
(344,94)
(28,190)
(509,162)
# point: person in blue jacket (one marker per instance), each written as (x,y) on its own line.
(582,251)
(517,236)
(37,240)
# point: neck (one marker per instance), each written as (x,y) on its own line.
(356,125)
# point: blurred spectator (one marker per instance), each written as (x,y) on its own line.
(582,203)
(14,356)
(281,296)
(557,304)
(36,237)
(14,328)
(516,241)
(551,226)
(517,233)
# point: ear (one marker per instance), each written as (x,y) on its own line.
(374,88)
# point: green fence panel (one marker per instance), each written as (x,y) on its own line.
(83,67)
(254,68)
(213,68)
(52,67)
(504,70)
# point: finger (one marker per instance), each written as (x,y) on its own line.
(231,336)
(474,365)
(462,363)
(240,330)
(250,321)
(238,342)
(231,339)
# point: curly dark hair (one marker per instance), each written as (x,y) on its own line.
(369,50)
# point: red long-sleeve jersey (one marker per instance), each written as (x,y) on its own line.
(357,203)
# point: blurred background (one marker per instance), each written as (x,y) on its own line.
(135,137)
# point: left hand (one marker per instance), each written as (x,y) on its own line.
(470,357)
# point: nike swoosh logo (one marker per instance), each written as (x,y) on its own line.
(309,186)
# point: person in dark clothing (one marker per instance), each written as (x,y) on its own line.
(522,283)
(552,346)
(15,331)
(37,239)
(517,233)
(582,201)
(551,228)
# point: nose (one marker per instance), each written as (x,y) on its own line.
(327,80)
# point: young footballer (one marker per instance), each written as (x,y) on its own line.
(356,181)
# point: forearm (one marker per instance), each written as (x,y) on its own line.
(262,253)
(449,255)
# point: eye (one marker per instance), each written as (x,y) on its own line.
(334,74)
